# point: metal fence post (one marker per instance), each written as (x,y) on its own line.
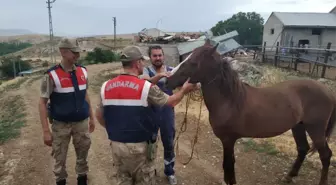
(326,57)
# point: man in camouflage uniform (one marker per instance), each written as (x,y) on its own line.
(70,113)
(130,120)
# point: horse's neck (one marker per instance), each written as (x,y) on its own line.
(218,103)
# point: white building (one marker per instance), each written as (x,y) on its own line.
(302,29)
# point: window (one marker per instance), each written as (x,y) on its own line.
(272,31)
(316,31)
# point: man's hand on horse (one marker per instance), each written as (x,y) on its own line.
(164,74)
(188,87)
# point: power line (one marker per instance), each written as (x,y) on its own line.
(115,32)
(51,31)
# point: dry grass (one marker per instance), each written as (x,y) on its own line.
(12,84)
(12,117)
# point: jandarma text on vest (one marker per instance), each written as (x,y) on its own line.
(127,84)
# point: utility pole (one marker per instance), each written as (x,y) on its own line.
(51,31)
(115,32)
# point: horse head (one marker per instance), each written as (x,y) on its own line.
(197,66)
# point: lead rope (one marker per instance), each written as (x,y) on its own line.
(195,97)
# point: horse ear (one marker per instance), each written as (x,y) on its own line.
(214,49)
(207,42)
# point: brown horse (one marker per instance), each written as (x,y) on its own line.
(238,110)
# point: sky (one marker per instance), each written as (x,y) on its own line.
(94,17)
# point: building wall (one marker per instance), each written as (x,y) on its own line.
(333,10)
(272,38)
(297,34)
(329,35)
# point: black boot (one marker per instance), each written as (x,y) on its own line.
(82,180)
(61,182)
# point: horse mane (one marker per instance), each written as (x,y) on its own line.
(230,85)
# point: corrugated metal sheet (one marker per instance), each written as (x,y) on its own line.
(225,36)
(299,19)
(187,47)
(227,46)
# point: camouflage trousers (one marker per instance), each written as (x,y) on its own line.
(61,133)
(133,167)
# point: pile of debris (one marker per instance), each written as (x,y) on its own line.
(248,72)
(155,35)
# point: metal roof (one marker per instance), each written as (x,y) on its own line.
(299,19)
(225,36)
(187,47)
(227,46)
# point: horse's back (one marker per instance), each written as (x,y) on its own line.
(284,105)
(315,98)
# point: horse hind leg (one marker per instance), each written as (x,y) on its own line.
(317,134)
(300,137)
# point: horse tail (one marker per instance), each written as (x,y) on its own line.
(330,127)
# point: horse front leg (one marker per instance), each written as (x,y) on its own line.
(229,161)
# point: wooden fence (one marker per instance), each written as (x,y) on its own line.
(315,58)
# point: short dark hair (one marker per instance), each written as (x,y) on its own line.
(154,47)
(127,64)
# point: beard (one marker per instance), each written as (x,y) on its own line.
(157,63)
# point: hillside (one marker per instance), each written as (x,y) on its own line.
(13,32)
(31,38)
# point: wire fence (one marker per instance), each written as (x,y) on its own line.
(319,61)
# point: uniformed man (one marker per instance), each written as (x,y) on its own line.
(156,73)
(65,85)
(130,120)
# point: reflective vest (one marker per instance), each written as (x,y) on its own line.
(67,101)
(128,116)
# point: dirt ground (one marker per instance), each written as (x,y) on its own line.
(26,160)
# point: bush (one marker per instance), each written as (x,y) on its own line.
(7,66)
(99,55)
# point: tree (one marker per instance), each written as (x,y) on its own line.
(249,26)
(103,56)
(11,47)
(7,66)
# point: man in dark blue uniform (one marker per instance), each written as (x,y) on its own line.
(156,73)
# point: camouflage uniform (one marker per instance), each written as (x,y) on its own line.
(61,134)
(131,160)
(135,162)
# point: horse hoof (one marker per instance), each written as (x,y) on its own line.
(228,183)
(287,179)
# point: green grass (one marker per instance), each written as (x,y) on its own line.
(265,147)
(12,117)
